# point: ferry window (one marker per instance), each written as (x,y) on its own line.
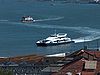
(55,41)
(46,40)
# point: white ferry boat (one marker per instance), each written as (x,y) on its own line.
(55,39)
(27,19)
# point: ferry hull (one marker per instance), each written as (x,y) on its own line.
(27,21)
(41,44)
(53,44)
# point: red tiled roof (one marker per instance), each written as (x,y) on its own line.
(96,53)
(93,53)
(78,66)
(35,58)
(88,73)
(74,67)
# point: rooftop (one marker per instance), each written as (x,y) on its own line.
(35,58)
(81,62)
(84,62)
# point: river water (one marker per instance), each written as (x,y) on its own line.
(80,21)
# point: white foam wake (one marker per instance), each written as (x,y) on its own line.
(49,19)
(3,20)
(92,34)
(86,39)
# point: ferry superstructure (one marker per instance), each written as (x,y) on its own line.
(56,39)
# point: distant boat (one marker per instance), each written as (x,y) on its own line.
(55,39)
(27,19)
(94,2)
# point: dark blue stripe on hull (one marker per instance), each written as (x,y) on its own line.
(41,44)
(52,44)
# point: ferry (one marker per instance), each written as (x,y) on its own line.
(56,39)
(27,19)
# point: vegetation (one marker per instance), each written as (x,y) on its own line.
(7,72)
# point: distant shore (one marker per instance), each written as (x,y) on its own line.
(69,1)
(74,1)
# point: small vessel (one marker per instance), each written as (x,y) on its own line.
(27,19)
(56,39)
(94,2)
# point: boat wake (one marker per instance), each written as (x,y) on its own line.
(3,20)
(93,34)
(38,20)
(86,39)
(90,33)
(49,19)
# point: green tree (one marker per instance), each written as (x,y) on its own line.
(5,72)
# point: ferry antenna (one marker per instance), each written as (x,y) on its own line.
(97,45)
(84,44)
(55,32)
